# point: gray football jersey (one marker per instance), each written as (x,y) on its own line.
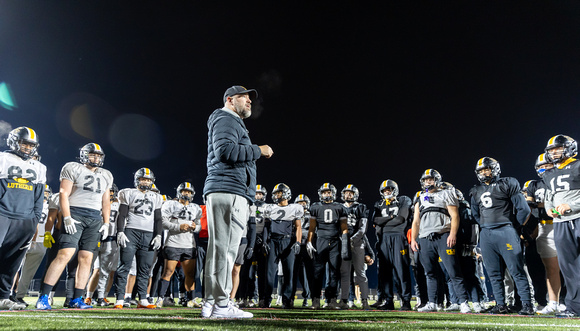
(434,221)
(89,186)
(54,201)
(142,206)
(174,214)
(283,218)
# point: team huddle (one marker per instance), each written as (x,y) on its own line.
(440,238)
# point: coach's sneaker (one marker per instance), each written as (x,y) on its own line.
(527,309)
(464,308)
(550,309)
(79,303)
(43,303)
(453,307)
(428,308)
(7,304)
(229,311)
(206,309)
(477,308)
(499,309)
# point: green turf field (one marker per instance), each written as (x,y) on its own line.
(270,319)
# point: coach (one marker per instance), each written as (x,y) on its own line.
(229,189)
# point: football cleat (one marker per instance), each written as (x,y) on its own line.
(42,303)
(79,303)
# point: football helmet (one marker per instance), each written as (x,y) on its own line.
(459,194)
(303,197)
(115,191)
(351,188)
(36,156)
(327,187)
(540,161)
(286,193)
(92,148)
(185,186)
(570,148)
(261,189)
(47,192)
(155,189)
(430,173)
(389,183)
(447,186)
(19,135)
(525,187)
(487,163)
(144,173)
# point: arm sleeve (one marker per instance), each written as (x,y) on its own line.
(157,222)
(123,211)
(251,235)
(38,200)
(474,210)
(226,136)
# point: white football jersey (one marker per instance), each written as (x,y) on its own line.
(142,206)
(113,218)
(283,218)
(174,214)
(89,186)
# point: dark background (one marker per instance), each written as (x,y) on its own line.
(350,92)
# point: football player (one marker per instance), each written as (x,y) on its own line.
(535,194)
(35,253)
(391,215)
(86,208)
(303,264)
(328,221)
(493,202)
(283,232)
(357,227)
(561,203)
(261,252)
(181,219)
(139,228)
(435,225)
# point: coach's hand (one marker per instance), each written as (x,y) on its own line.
(266,151)
(310,249)
(48,240)
(104,230)
(70,225)
(122,239)
(156,242)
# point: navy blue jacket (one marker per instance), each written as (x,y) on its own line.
(231,156)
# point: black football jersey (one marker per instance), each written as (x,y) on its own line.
(493,205)
(355,213)
(400,206)
(328,217)
(537,189)
(565,179)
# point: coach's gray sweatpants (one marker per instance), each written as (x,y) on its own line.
(227,215)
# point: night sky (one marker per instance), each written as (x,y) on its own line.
(349,92)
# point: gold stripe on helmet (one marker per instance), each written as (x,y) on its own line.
(427,172)
(325,185)
(97,147)
(551,141)
(147,171)
(526,184)
(31,133)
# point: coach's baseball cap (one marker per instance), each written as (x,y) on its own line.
(238,89)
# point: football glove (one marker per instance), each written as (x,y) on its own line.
(248,253)
(48,240)
(122,239)
(70,225)
(310,250)
(296,248)
(156,242)
(104,230)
